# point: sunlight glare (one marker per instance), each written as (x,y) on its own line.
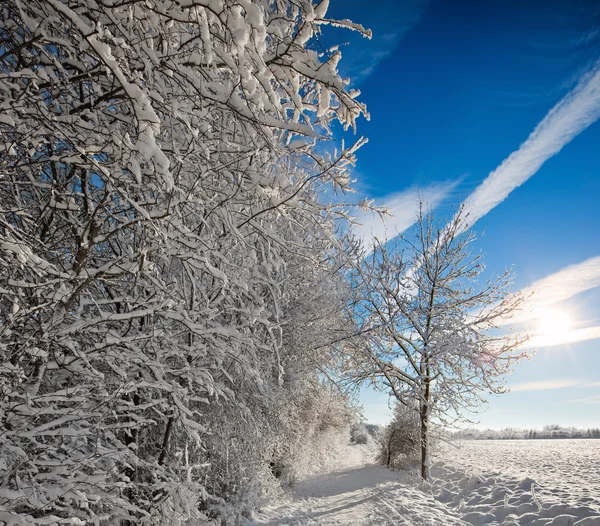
(555,323)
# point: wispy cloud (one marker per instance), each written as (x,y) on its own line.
(574,113)
(403,207)
(565,283)
(545,294)
(545,385)
(573,336)
(557,383)
(557,287)
(389,22)
(591,400)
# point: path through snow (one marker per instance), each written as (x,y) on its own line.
(367,495)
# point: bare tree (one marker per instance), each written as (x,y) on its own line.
(430,325)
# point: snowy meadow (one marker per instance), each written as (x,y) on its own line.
(564,470)
(515,482)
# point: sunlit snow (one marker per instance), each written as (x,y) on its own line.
(477,482)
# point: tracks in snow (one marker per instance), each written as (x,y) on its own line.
(360,496)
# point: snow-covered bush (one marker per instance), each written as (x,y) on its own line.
(359,434)
(321,421)
(161,215)
(400,441)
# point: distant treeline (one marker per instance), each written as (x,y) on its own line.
(550,431)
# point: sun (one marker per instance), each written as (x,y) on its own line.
(554,323)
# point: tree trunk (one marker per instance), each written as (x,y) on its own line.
(166,439)
(389,448)
(425,431)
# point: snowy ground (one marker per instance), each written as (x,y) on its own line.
(568,470)
(466,489)
(360,493)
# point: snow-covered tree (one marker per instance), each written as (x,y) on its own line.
(431,324)
(161,168)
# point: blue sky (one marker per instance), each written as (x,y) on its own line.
(455,89)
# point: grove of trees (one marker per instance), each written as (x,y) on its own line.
(547,432)
(170,266)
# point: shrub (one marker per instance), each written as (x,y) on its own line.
(401,439)
(359,434)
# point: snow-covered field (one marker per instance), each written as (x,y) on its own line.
(519,482)
(510,483)
(568,470)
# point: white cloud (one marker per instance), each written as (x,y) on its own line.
(574,336)
(574,113)
(557,287)
(587,400)
(403,207)
(565,283)
(558,383)
(545,385)
(544,295)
